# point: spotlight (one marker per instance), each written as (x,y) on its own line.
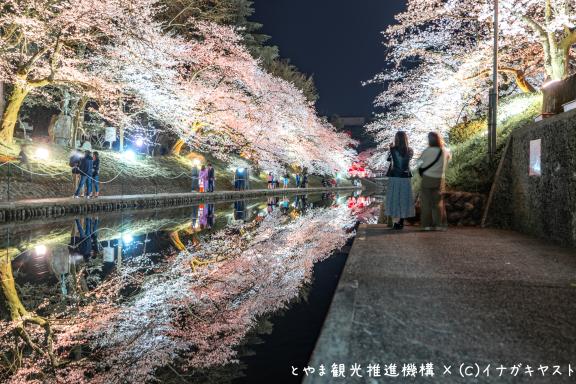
(42,153)
(139,142)
(127,238)
(129,155)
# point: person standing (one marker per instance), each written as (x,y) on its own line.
(432,168)
(95,174)
(74,163)
(86,167)
(304,182)
(297,180)
(211,178)
(24,162)
(195,179)
(270,181)
(286,180)
(399,198)
(203,179)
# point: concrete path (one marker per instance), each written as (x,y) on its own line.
(457,298)
(55,207)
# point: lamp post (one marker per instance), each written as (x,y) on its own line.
(493,99)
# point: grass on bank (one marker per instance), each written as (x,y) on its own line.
(144,174)
(469,169)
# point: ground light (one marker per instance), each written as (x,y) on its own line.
(139,142)
(129,155)
(42,153)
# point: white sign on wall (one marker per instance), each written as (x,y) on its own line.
(535,158)
(110,134)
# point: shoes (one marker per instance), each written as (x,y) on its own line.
(398,226)
(427,229)
(76,197)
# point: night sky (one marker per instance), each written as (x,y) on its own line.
(337,41)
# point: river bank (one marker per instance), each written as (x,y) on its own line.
(57,207)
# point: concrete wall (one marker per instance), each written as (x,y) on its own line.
(543,206)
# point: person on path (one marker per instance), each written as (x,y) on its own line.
(399,198)
(95,174)
(24,162)
(74,163)
(203,179)
(304,181)
(270,181)
(298,180)
(286,180)
(211,178)
(86,168)
(195,179)
(432,167)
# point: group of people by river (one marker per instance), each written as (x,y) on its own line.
(86,174)
(432,168)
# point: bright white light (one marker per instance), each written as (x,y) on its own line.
(41,250)
(240,170)
(139,142)
(196,162)
(127,238)
(129,155)
(42,153)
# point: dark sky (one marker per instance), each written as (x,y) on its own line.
(338,41)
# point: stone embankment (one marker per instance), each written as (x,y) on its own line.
(57,207)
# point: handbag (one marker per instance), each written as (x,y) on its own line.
(422,170)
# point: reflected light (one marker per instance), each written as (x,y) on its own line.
(41,250)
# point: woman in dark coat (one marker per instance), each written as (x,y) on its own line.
(399,197)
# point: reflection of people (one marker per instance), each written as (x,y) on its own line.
(211,216)
(284,205)
(240,210)
(433,167)
(194,217)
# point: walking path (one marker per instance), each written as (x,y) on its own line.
(465,296)
(56,207)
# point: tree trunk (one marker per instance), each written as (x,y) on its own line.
(15,306)
(177,147)
(10,116)
(558,64)
(78,122)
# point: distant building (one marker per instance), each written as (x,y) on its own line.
(355,126)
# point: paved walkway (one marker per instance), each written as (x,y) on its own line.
(464,296)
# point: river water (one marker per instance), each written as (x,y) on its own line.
(232,292)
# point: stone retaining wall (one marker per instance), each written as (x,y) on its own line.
(48,208)
(543,206)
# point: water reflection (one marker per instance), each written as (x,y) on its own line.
(122,297)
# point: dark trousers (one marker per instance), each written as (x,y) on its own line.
(211,185)
(432,206)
